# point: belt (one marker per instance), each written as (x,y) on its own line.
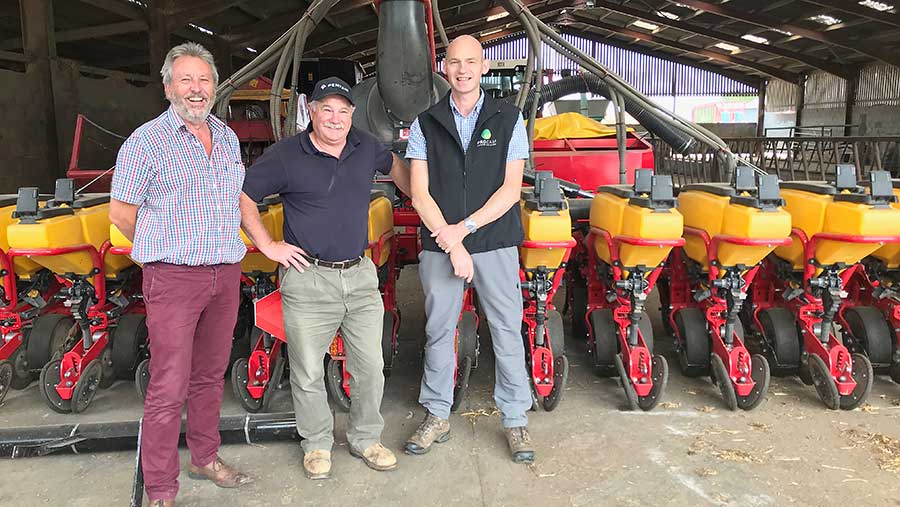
(333,265)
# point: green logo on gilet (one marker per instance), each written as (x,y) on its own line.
(486,134)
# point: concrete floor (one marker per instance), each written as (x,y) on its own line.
(688,451)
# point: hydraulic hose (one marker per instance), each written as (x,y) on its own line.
(590,83)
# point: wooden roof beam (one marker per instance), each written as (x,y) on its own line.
(852,7)
(646,15)
(588,20)
(90,32)
(541,12)
(765,20)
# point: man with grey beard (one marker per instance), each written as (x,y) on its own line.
(175,194)
(324,177)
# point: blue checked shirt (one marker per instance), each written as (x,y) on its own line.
(465,125)
(188,202)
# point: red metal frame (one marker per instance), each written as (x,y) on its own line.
(12,321)
(737,359)
(542,374)
(637,360)
(75,359)
(808,309)
(592,162)
(269,318)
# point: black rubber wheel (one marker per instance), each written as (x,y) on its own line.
(107,369)
(825,386)
(48,336)
(719,377)
(463,372)
(665,300)
(142,378)
(48,380)
(87,386)
(467,337)
(759,372)
(646,327)
(861,371)
(240,376)
(871,331)
(274,381)
(578,302)
(895,371)
(693,356)
(21,375)
(606,342)
(6,376)
(557,333)
(334,383)
(560,379)
(779,330)
(660,377)
(387,341)
(631,396)
(129,337)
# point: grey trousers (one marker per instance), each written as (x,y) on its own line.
(497,282)
(316,303)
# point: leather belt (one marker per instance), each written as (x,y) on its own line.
(333,265)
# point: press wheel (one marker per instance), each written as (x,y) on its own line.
(660,377)
(21,376)
(6,377)
(142,378)
(825,386)
(87,386)
(779,330)
(560,379)
(49,379)
(49,334)
(861,371)
(129,337)
(334,383)
(630,394)
(760,374)
(872,332)
(274,382)
(719,376)
(240,378)
(461,385)
(895,371)
(107,369)
(693,355)
(605,342)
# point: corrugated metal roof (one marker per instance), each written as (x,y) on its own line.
(650,75)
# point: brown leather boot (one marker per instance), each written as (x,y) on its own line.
(221,474)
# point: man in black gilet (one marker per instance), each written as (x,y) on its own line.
(467,156)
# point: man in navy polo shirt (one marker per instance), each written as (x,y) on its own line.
(324,177)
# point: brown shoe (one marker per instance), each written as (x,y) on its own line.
(520,444)
(221,474)
(162,503)
(377,457)
(433,429)
(317,464)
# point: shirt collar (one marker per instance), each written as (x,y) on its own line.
(307,145)
(475,111)
(216,126)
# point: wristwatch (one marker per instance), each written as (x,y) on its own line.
(470,225)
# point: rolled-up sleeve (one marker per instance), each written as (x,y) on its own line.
(416,147)
(133,174)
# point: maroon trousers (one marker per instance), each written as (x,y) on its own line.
(191,313)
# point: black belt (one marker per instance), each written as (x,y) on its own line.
(333,265)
